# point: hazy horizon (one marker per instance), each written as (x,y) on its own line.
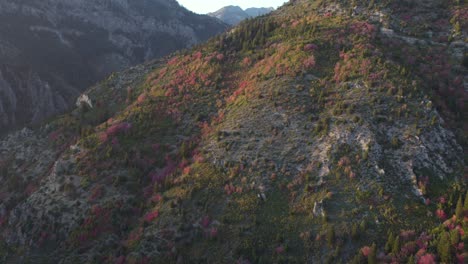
(207,6)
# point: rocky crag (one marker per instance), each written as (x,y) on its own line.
(52,50)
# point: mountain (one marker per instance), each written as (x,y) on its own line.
(324,132)
(255,12)
(50,51)
(233,15)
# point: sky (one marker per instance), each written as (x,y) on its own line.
(207,6)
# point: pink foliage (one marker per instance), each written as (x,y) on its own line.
(364,29)
(279,250)
(295,23)
(141,98)
(220,57)
(151,216)
(427,201)
(173,61)
(156,198)
(408,249)
(54,136)
(344,161)
(247,61)
(161,175)
(427,259)
(205,222)
(120,260)
(186,170)
(442,200)
(310,47)
(197,55)
(407,235)
(441,214)
(213,232)
(366,251)
(309,62)
(119,128)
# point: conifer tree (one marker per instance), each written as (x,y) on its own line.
(459,209)
(331,235)
(443,248)
(389,244)
(396,246)
(372,257)
(465,207)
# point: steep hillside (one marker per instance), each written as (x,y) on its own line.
(233,15)
(52,50)
(323,133)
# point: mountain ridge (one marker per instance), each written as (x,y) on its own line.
(233,15)
(66,46)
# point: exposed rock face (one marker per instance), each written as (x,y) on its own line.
(52,50)
(233,15)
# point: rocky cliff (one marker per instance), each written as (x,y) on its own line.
(51,50)
(233,15)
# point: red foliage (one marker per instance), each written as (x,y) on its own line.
(407,235)
(141,98)
(364,29)
(119,128)
(343,162)
(310,47)
(149,217)
(247,61)
(156,198)
(309,62)
(161,175)
(441,214)
(213,232)
(96,193)
(173,61)
(120,260)
(197,55)
(54,136)
(427,259)
(220,57)
(205,222)
(366,251)
(279,250)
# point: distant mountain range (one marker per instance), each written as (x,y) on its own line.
(51,50)
(233,15)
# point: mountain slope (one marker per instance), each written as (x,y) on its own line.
(233,15)
(300,137)
(52,50)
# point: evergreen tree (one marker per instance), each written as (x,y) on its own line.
(331,235)
(396,246)
(454,237)
(443,248)
(389,244)
(465,207)
(459,209)
(372,257)
(354,231)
